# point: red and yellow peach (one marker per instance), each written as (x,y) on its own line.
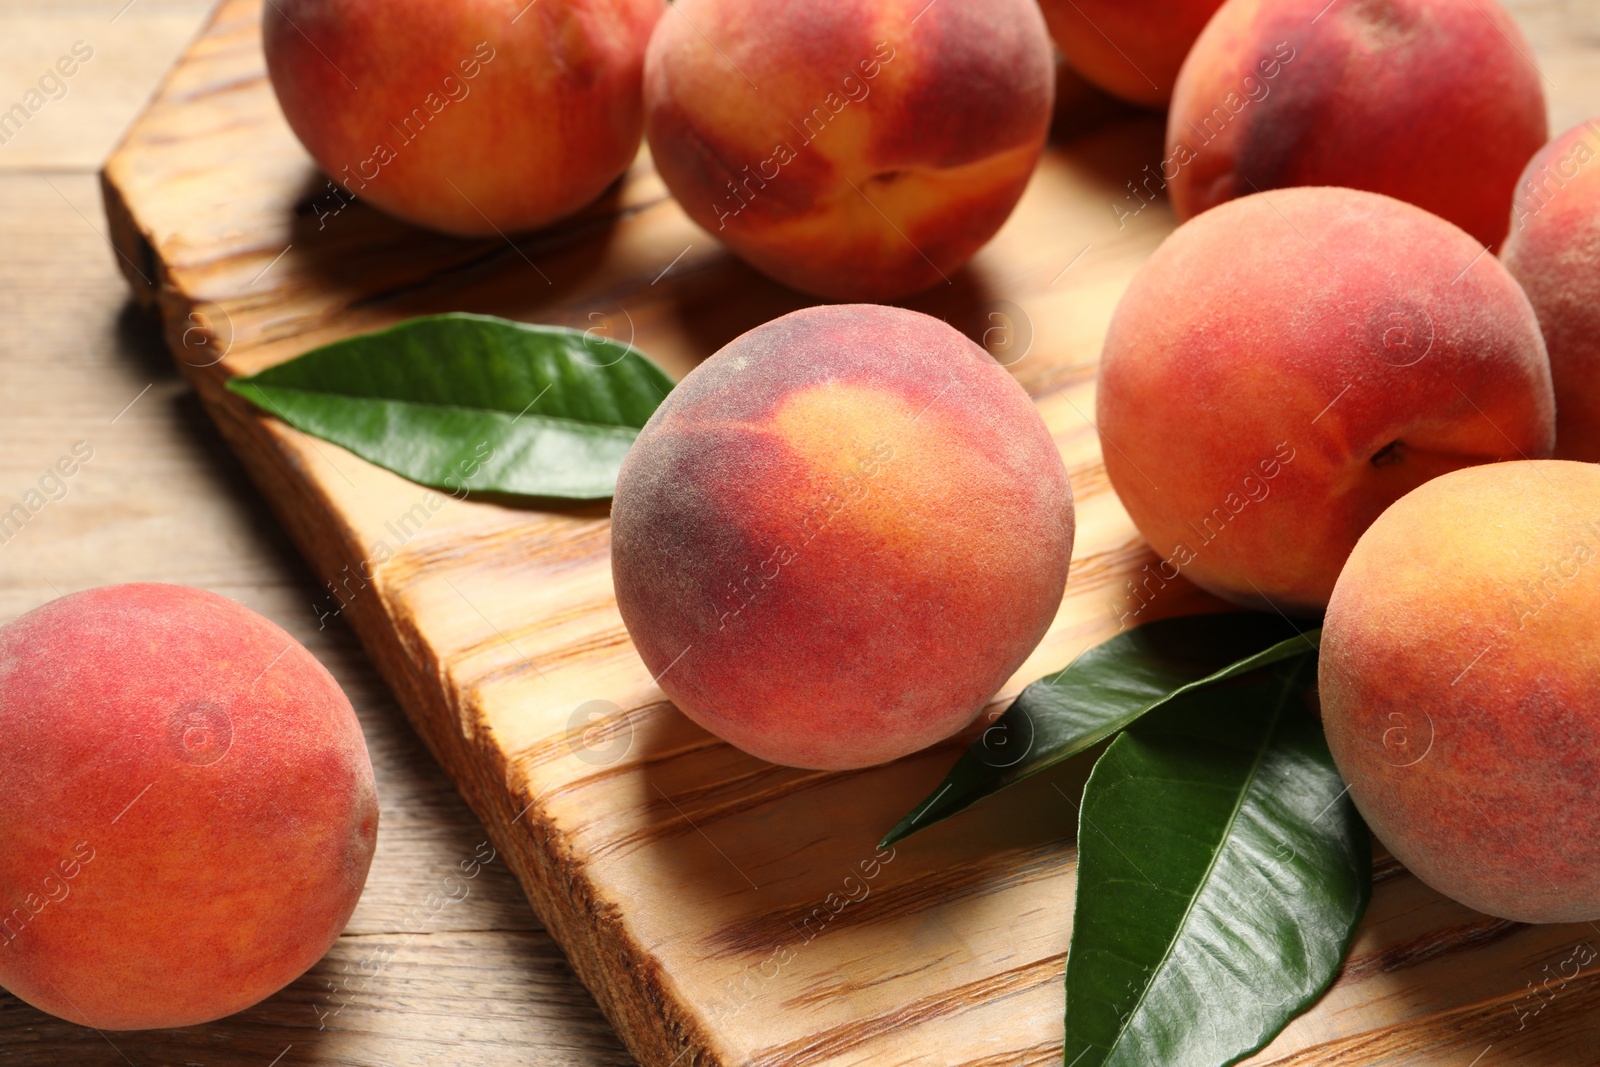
(1554,251)
(1129,48)
(1460,661)
(190,811)
(1287,365)
(840,535)
(1434,102)
(851,149)
(470,118)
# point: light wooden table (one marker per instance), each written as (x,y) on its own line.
(467,982)
(478,982)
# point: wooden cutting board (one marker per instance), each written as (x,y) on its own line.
(724,911)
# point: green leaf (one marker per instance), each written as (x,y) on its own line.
(1222,870)
(1103,691)
(473,402)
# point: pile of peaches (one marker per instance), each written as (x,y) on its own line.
(1334,391)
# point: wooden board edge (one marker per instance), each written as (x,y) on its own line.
(136,257)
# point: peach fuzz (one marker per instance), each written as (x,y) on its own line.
(853,149)
(1129,48)
(840,535)
(466,116)
(1434,102)
(1554,251)
(190,808)
(1287,365)
(1460,661)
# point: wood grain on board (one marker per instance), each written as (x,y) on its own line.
(724,911)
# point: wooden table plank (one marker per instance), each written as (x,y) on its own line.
(129,45)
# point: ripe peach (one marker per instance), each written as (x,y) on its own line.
(1554,251)
(189,811)
(1460,660)
(469,116)
(840,535)
(1434,102)
(1132,50)
(855,149)
(1287,365)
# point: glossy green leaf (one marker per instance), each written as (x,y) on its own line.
(1101,692)
(473,402)
(1222,870)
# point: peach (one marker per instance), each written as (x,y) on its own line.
(1554,251)
(854,149)
(189,812)
(840,535)
(1287,365)
(1129,49)
(1435,102)
(1460,661)
(466,116)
